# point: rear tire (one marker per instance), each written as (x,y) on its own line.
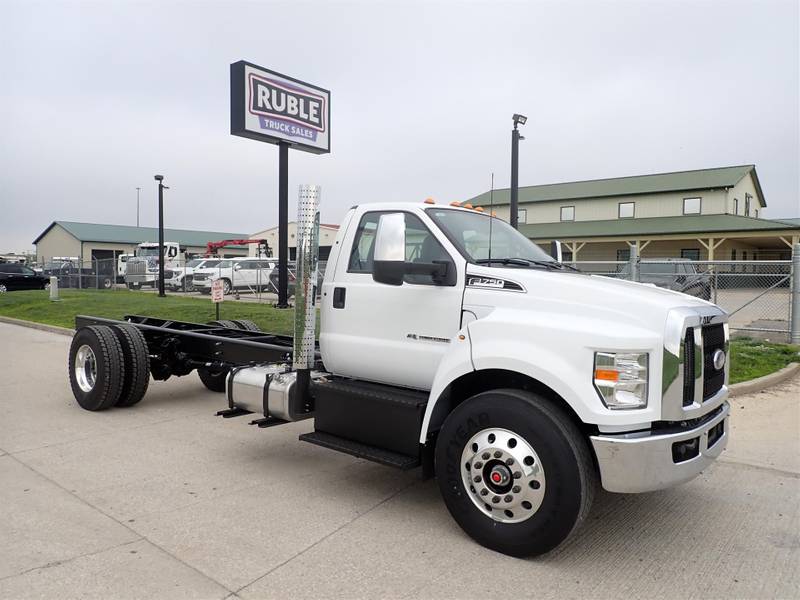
(213,380)
(225,323)
(246,324)
(549,499)
(96,367)
(137,364)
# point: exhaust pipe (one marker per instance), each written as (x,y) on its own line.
(305,291)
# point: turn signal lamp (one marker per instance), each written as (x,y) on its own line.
(621,379)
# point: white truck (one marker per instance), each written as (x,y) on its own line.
(450,341)
(142,268)
(122,261)
(182,278)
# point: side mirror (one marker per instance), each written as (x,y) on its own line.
(555,250)
(237,268)
(389,258)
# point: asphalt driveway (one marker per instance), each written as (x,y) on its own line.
(166,500)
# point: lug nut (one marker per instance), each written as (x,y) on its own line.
(508,498)
(485,456)
(498,454)
(516,489)
(477,479)
(478,465)
(484,492)
(496,499)
(517,474)
(510,461)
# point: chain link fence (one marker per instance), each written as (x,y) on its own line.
(757,294)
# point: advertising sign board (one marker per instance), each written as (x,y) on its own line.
(273,108)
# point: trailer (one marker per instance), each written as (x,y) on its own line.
(450,342)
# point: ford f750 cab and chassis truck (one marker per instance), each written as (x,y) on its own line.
(450,341)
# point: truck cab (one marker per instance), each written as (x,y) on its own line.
(142,268)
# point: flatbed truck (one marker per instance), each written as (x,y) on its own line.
(450,342)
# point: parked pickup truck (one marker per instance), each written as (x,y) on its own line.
(450,341)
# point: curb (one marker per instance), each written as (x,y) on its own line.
(761,383)
(39,326)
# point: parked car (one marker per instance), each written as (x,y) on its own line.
(237,274)
(183,277)
(14,276)
(679,274)
(290,288)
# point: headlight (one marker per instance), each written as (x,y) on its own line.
(621,379)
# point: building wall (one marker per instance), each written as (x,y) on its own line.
(601,209)
(326,237)
(57,242)
(745,186)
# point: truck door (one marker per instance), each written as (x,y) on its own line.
(384,333)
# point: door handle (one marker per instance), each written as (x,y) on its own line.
(339,294)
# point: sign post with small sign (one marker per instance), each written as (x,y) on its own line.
(269,107)
(217,294)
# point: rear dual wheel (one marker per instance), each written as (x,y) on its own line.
(108,366)
(514,471)
(214,379)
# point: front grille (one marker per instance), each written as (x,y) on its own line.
(688,368)
(200,277)
(713,379)
(136,267)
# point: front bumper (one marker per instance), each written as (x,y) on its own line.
(643,461)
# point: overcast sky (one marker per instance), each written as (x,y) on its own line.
(98,97)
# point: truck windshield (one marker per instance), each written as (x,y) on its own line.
(470,232)
(152,251)
(193,263)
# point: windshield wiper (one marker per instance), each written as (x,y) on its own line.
(526,262)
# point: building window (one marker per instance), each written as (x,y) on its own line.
(522,215)
(736,206)
(566,256)
(733,254)
(623,254)
(690,253)
(747,205)
(691,206)
(567,213)
(626,210)
(755,213)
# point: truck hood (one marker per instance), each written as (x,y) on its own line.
(577,294)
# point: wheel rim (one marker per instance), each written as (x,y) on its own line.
(503,475)
(226,287)
(3,289)
(85,368)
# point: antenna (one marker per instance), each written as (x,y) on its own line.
(491,215)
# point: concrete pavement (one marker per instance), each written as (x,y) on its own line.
(166,500)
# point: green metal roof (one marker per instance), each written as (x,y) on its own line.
(126,234)
(702,179)
(653,226)
(789,221)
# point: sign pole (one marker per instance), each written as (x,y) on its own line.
(283,224)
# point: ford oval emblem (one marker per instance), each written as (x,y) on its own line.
(719,359)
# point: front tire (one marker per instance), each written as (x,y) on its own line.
(514,471)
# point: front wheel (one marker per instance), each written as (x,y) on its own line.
(514,471)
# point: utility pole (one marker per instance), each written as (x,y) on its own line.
(161,188)
(515,138)
(137,206)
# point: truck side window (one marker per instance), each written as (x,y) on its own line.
(421,246)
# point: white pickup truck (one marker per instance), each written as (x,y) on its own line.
(450,341)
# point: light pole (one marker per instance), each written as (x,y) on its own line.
(161,188)
(515,138)
(137,206)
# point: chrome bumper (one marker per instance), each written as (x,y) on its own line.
(643,461)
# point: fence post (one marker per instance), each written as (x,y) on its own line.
(794,330)
(633,258)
